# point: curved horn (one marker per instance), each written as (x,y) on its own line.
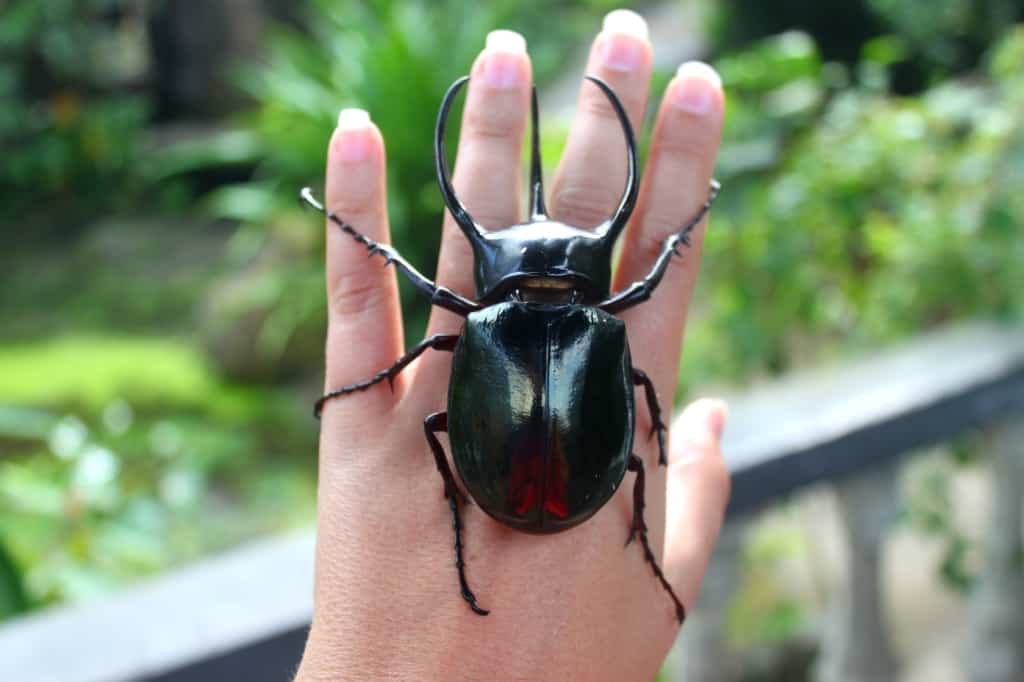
(538,211)
(611,229)
(458,210)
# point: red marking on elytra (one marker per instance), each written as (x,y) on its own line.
(527,478)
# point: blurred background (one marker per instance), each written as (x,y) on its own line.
(161,308)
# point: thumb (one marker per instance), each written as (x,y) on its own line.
(698,491)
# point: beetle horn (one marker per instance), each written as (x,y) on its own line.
(610,230)
(538,210)
(469,226)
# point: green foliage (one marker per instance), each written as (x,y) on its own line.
(935,39)
(930,507)
(13,596)
(839,27)
(764,612)
(69,136)
(948,35)
(162,372)
(133,460)
(852,217)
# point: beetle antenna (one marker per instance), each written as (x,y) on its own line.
(538,211)
(456,207)
(610,230)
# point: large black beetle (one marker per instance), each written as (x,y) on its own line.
(540,402)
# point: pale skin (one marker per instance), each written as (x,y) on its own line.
(574,605)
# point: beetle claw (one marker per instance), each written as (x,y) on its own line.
(456,492)
(634,531)
(472,605)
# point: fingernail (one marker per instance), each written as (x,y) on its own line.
(503,59)
(696,88)
(715,418)
(623,40)
(354,127)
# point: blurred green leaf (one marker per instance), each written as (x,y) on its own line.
(13,597)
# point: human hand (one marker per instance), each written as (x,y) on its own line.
(571,605)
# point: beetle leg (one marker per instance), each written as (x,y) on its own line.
(638,292)
(439,296)
(639,529)
(437,342)
(640,378)
(437,423)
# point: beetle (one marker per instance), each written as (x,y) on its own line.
(540,410)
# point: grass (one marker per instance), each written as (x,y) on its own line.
(89,372)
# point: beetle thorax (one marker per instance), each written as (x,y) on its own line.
(544,257)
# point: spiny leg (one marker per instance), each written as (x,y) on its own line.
(439,296)
(639,528)
(638,292)
(437,342)
(437,423)
(640,378)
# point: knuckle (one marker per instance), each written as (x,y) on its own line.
(594,104)
(685,138)
(650,241)
(660,220)
(493,125)
(355,294)
(684,145)
(354,207)
(655,226)
(582,205)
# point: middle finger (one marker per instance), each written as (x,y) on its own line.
(591,177)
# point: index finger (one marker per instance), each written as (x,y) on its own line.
(675,186)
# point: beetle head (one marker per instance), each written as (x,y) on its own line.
(541,253)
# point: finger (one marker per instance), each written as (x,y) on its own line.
(698,491)
(364,332)
(591,176)
(676,184)
(488,163)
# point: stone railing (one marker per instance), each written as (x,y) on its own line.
(850,428)
(243,616)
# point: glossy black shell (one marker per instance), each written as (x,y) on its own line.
(541,412)
(540,247)
(544,249)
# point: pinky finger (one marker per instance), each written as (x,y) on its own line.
(698,491)
(364,332)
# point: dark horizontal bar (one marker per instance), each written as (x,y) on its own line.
(827,424)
